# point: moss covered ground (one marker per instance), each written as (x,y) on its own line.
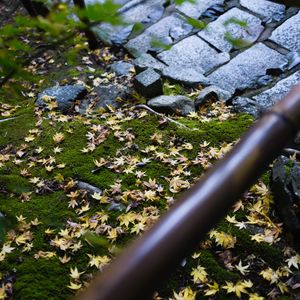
(57,236)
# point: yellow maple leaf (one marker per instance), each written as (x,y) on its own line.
(65,259)
(177,184)
(6,248)
(242,269)
(212,289)
(74,274)
(255,297)
(185,294)
(96,196)
(223,239)
(270,275)
(199,274)
(237,288)
(293,261)
(74,286)
(98,261)
(49,231)
(126,219)
(150,195)
(58,137)
(44,254)
(138,228)
(29,138)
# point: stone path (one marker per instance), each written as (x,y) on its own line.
(250,49)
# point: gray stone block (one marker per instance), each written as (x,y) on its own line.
(243,71)
(235,28)
(137,11)
(246,105)
(196,9)
(271,11)
(193,53)
(285,178)
(65,96)
(187,76)
(146,61)
(161,32)
(145,12)
(270,97)
(172,104)
(148,83)
(121,68)
(211,92)
(293,58)
(120,2)
(111,95)
(288,34)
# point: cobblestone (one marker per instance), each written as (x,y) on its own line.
(269,10)
(195,10)
(288,34)
(232,29)
(280,90)
(235,54)
(187,52)
(243,71)
(159,32)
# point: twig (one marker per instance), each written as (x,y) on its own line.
(146,107)
(7,119)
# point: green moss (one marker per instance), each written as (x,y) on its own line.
(265,178)
(14,184)
(207,260)
(215,132)
(51,209)
(272,255)
(173,89)
(41,279)
(143,129)
(14,131)
(156,170)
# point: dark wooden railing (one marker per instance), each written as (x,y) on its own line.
(142,267)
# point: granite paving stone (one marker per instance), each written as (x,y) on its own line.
(149,11)
(65,96)
(120,2)
(158,32)
(110,95)
(271,11)
(196,9)
(246,105)
(193,53)
(211,92)
(245,69)
(269,97)
(172,104)
(234,27)
(187,76)
(148,83)
(137,11)
(207,57)
(288,34)
(121,68)
(147,61)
